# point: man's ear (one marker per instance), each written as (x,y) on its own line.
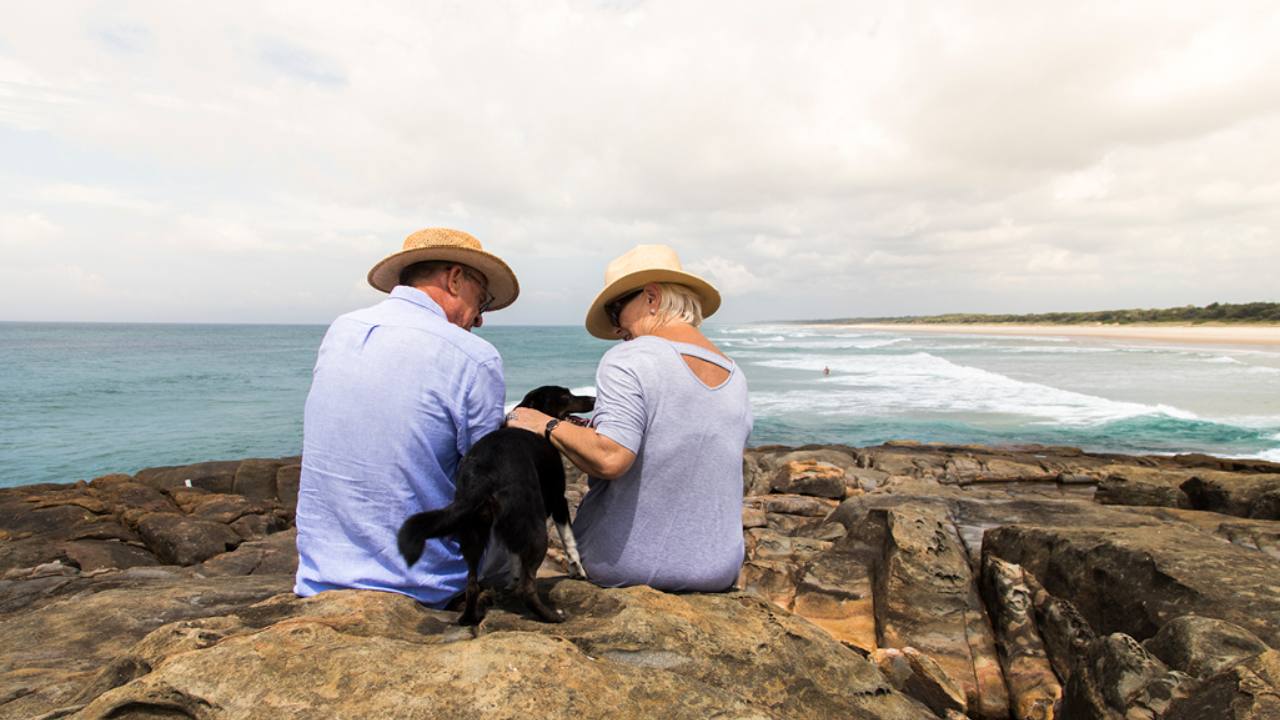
(453,281)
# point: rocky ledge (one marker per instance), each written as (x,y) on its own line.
(899,581)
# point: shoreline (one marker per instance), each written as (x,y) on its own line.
(1267,335)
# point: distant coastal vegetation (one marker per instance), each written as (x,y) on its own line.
(1216,313)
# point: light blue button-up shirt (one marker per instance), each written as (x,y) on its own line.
(398,395)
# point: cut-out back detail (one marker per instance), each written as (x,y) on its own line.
(710,367)
(707,372)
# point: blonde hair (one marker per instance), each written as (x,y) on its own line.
(677,304)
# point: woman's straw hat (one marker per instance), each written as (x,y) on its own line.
(449,246)
(639,266)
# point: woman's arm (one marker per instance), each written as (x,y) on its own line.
(593,453)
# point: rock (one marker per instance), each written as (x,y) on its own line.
(835,592)
(251,527)
(97,554)
(275,554)
(288,478)
(1201,646)
(125,494)
(766,544)
(917,675)
(104,482)
(772,580)
(1210,462)
(899,462)
(1257,535)
(788,524)
(181,540)
(1034,690)
(1066,634)
(792,505)
(1116,490)
(1118,679)
(864,479)
(1234,493)
(755,477)
(256,479)
(222,508)
(928,601)
(1134,580)
(51,648)
(809,477)
(23,519)
(632,653)
(753,517)
(829,531)
(75,496)
(1014,469)
(893,566)
(1249,690)
(52,569)
(843,457)
(217,476)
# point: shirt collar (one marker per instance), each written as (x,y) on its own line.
(417,297)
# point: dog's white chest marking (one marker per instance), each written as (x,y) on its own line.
(571,550)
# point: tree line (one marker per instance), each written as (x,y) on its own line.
(1256,312)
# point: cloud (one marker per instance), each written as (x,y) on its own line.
(301,64)
(837,158)
(30,230)
(729,276)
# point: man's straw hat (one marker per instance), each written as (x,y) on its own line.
(449,246)
(639,266)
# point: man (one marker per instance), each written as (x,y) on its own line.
(400,392)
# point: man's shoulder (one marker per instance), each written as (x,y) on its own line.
(422,329)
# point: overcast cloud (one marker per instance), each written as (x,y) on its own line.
(246,162)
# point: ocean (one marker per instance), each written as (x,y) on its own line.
(82,400)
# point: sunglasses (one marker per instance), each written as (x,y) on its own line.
(488,299)
(614,307)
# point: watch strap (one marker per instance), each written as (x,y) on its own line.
(551,425)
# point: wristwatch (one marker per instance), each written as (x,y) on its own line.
(551,425)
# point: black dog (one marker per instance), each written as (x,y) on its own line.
(508,482)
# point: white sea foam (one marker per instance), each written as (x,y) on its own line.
(921,382)
(1272,455)
(842,342)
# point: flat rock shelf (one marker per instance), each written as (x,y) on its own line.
(899,581)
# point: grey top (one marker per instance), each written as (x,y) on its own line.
(674,520)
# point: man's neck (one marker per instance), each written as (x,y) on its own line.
(450,304)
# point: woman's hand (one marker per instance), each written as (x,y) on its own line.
(528,419)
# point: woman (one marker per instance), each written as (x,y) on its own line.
(664,452)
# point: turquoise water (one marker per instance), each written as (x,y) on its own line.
(80,400)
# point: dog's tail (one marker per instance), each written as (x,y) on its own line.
(425,525)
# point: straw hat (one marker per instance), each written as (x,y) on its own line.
(639,266)
(449,246)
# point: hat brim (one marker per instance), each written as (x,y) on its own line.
(502,281)
(598,320)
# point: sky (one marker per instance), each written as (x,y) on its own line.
(249,162)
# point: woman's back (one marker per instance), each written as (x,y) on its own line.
(674,519)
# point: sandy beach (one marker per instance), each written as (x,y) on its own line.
(1206,334)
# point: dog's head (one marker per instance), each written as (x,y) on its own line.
(557,402)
